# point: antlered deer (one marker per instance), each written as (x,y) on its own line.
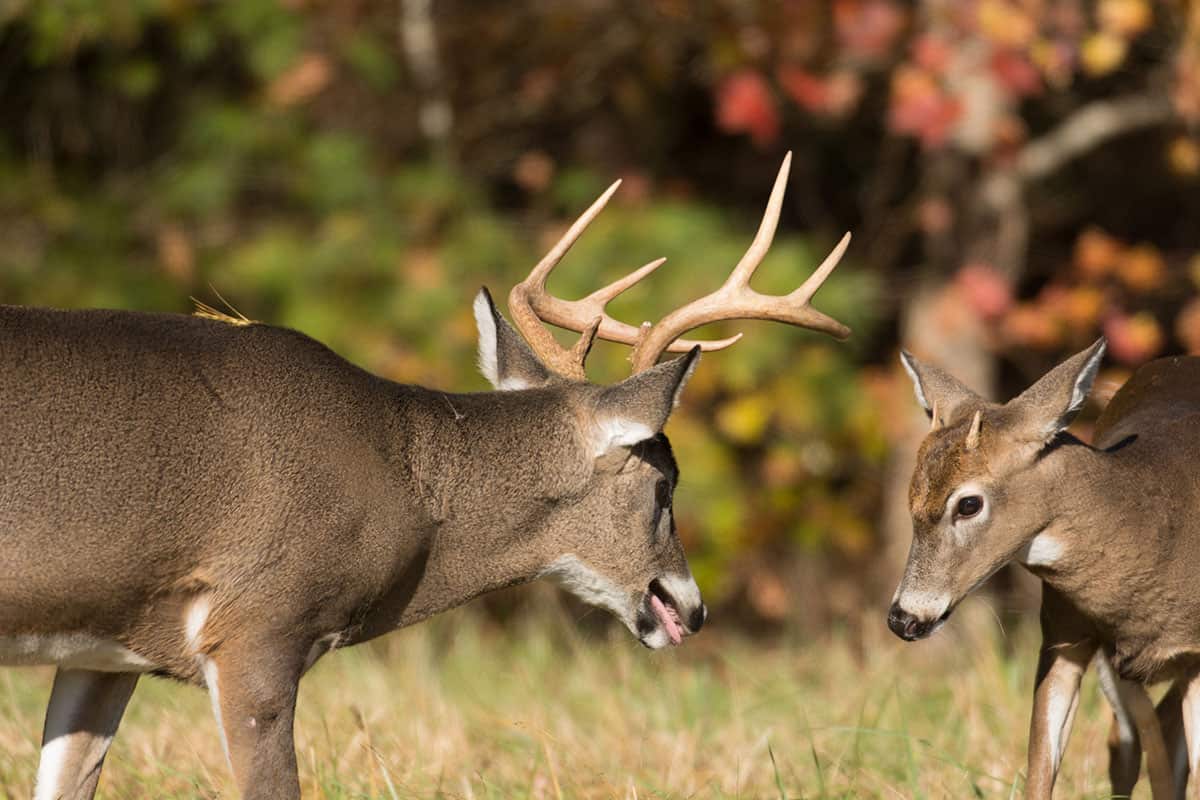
(1111,529)
(224,503)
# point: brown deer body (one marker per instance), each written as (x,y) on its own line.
(224,503)
(1110,528)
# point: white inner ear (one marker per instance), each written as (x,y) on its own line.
(489,358)
(618,432)
(489,362)
(911,369)
(1084,381)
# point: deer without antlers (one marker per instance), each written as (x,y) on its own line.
(1110,528)
(224,504)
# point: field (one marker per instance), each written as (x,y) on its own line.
(464,709)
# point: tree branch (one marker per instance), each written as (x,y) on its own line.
(1088,128)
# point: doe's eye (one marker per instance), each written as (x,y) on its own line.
(969,506)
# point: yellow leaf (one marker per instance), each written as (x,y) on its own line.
(1125,18)
(745,420)
(1102,53)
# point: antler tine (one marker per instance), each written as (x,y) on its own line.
(814,282)
(530,305)
(522,296)
(570,314)
(736,300)
(766,229)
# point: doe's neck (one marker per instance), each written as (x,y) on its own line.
(1070,491)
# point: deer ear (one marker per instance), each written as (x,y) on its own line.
(636,409)
(1047,407)
(938,390)
(504,358)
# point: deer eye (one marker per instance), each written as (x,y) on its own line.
(968,506)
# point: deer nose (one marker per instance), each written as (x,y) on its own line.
(905,625)
(698,617)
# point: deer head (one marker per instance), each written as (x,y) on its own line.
(971,506)
(612,527)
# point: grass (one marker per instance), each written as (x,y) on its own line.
(461,709)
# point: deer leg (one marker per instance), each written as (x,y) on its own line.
(1124,747)
(1190,711)
(1060,669)
(84,712)
(253,694)
(1158,765)
(1170,720)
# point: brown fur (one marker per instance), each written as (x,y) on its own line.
(152,461)
(1117,517)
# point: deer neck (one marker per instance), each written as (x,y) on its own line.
(1082,546)
(486,487)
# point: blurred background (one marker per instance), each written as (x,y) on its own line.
(1020,176)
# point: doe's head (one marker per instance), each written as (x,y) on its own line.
(972,513)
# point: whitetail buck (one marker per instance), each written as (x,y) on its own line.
(1111,529)
(224,503)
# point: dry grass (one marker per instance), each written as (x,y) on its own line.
(458,709)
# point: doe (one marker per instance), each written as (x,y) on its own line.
(1111,529)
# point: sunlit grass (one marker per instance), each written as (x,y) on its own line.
(462,709)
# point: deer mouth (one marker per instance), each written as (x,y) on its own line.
(666,611)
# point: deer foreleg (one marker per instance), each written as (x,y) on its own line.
(254,700)
(1060,669)
(81,720)
(1190,711)
(1170,721)
(1124,747)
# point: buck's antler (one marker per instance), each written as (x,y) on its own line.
(530,304)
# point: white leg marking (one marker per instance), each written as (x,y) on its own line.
(212,681)
(194,619)
(1108,684)
(1191,723)
(1059,713)
(65,704)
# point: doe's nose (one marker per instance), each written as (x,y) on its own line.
(905,625)
(697,618)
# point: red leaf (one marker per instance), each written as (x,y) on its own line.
(806,89)
(921,108)
(1014,72)
(985,290)
(866,29)
(745,105)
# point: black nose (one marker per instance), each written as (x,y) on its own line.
(697,618)
(907,626)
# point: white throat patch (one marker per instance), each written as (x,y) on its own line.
(591,587)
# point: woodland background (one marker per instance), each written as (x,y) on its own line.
(1020,176)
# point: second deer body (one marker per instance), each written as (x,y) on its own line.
(1111,529)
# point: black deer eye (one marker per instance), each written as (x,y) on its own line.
(969,506)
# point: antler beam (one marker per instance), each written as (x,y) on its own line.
(530,304)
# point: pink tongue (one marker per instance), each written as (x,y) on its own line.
(667,617)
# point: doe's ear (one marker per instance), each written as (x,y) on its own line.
(504,357)
(637,408)
(1047,407)
(938,390)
